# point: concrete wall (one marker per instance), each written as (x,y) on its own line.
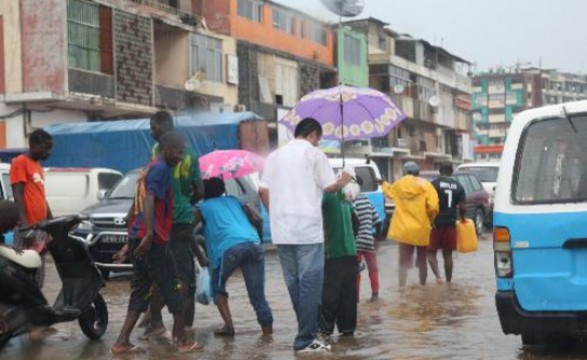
(351,74)
(17,127)
(44,45)
(171,56)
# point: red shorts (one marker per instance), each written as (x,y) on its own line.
(444,238)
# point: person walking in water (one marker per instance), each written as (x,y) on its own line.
(443,237)
(416,207)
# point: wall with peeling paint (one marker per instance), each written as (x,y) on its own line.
(44,45)
(10,11)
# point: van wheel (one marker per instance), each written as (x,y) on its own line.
(478,222)
(544,340)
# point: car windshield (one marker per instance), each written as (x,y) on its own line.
(484,173)
(125,188)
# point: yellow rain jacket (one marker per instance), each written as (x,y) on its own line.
(416,206)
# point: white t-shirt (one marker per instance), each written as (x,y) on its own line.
(296,176)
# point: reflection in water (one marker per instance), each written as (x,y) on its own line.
(444,321)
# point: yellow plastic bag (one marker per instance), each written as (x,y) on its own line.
(466,236)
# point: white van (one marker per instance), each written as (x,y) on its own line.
(5,187)
(70,190)
(540,225)
(369,173)
(486,172)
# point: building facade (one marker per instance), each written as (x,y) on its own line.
(500,94)
(80,60)
(283,53)
(431,86)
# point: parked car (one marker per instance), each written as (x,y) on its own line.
(477,199)
(105,230)
(70,190)
(487,174)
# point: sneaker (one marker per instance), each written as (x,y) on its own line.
(315,347)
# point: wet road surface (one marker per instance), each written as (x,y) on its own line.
(438,321)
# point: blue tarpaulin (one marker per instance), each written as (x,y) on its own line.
(126,144)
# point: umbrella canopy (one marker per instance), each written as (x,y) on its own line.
(230,164)
(347,113)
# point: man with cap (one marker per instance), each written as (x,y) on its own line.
(416,207)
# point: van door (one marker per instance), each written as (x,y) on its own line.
(548,226)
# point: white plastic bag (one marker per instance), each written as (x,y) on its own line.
(204,288)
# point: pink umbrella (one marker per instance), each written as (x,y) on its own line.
(230,164)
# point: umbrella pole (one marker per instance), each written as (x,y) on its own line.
(342,131)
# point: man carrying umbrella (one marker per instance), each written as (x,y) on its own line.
(292,186)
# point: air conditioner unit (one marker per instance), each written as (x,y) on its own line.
(219,108)
(401,142)
(240,108)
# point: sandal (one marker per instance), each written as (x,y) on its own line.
(135,349)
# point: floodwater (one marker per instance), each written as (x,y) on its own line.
(438,321)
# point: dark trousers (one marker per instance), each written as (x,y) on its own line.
(339,296)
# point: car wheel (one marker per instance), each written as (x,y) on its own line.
(478,219)
(94,319)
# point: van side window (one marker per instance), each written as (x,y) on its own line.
(107,180)
(7,186)
(368,176)
(475,182)
(551,166)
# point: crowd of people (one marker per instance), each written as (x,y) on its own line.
(323,227)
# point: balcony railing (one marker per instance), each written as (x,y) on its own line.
(164,6)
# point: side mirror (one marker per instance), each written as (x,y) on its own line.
(101,194)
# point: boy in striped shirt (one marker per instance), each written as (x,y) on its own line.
(365,238)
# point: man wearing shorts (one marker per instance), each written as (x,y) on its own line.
(416,206)
(451,196)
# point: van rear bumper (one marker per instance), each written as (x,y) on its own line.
(515,320)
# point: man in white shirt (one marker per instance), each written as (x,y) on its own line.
(293,183)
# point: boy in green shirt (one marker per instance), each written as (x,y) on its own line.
(339,293)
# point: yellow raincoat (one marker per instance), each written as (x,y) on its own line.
(416,207)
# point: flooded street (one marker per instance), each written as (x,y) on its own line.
(441,321)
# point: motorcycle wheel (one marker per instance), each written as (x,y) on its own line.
(94,319)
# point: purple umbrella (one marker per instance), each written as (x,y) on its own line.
(347,113)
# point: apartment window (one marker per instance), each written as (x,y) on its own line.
(352,50)
(303,33)
(319,35)
(89,36)
(283,21)
(252,10)
(206,57)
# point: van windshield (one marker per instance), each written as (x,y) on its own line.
(484,173)
(125,188)
(551,165)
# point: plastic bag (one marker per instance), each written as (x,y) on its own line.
(466,236)
(204,287)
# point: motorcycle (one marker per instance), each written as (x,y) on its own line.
(23,305)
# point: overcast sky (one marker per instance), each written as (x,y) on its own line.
(487,32)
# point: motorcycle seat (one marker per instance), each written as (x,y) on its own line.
(29,259)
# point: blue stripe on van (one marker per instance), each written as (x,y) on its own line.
(547,277)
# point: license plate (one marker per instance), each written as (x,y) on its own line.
(113,239)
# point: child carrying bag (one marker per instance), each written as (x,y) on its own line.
(466,236)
